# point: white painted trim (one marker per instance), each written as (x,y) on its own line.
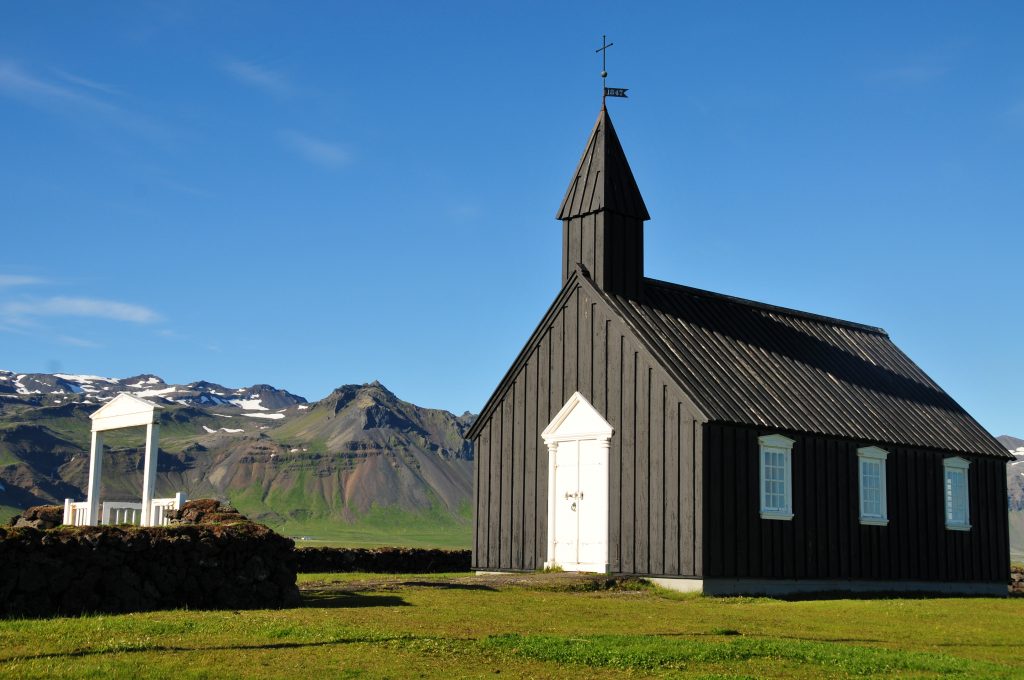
(95,474)
(961,466)
(873,452)
(589,424)
(956,463)
(149,473)
(880,456)
(776,443)
(124,410)
(577,421)
(552,450)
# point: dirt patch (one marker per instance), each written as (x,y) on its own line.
(555,581)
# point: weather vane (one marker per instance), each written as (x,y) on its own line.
(608,91)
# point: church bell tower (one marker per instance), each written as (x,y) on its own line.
(603,216)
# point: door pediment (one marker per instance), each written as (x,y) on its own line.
(578,419)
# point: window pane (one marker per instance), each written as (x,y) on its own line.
(871,472)
(773,463)
(956,497)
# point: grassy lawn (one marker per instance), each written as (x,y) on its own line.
(362,625)
(381,527)
(7,512)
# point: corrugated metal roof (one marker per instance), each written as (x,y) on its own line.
(747,362)
(603,179)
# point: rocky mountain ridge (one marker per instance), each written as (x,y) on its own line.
(359,459)
(93,389)
(1011,443)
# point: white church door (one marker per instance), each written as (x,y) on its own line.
(578,442)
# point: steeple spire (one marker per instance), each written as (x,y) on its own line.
(603,215)
(603,179)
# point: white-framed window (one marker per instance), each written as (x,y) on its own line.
(871,473)
(954,490)
(776,476)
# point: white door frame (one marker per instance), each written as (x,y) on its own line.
(578,421)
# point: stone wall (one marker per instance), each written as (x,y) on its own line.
(39,517)
(72,570)
(381,560)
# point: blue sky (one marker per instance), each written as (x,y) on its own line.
(313,194)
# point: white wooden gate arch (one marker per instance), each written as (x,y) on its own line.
(578,441)
(124,410)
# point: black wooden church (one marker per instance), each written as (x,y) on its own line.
(655,429)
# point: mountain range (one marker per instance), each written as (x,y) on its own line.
(360,465)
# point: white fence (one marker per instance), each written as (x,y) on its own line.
(159,507)
(76,514)
(118,512)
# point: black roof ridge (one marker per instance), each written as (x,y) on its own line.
(769,307)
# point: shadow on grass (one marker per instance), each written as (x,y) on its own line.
(341,599)
(446,585)
(135,649)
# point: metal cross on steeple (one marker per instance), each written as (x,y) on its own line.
(607,91)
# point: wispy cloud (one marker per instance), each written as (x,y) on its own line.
(86,82)
(75,306)
(316,150)
(81,95)
(77,342)
(18,83)
(12,280)
(266,79)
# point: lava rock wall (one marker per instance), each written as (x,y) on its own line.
(74,570)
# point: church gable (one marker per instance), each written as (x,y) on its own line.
(583,346)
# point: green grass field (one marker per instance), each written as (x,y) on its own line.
(369,626)
(381,526)
(7,512)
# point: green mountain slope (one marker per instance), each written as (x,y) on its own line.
(360,466)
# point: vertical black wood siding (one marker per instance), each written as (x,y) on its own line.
(825,539)
(655,519)
(610,246)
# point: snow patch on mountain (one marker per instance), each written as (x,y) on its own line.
(252,404)
(156,393)
(70,377)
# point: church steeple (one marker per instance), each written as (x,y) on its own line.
(603,215)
